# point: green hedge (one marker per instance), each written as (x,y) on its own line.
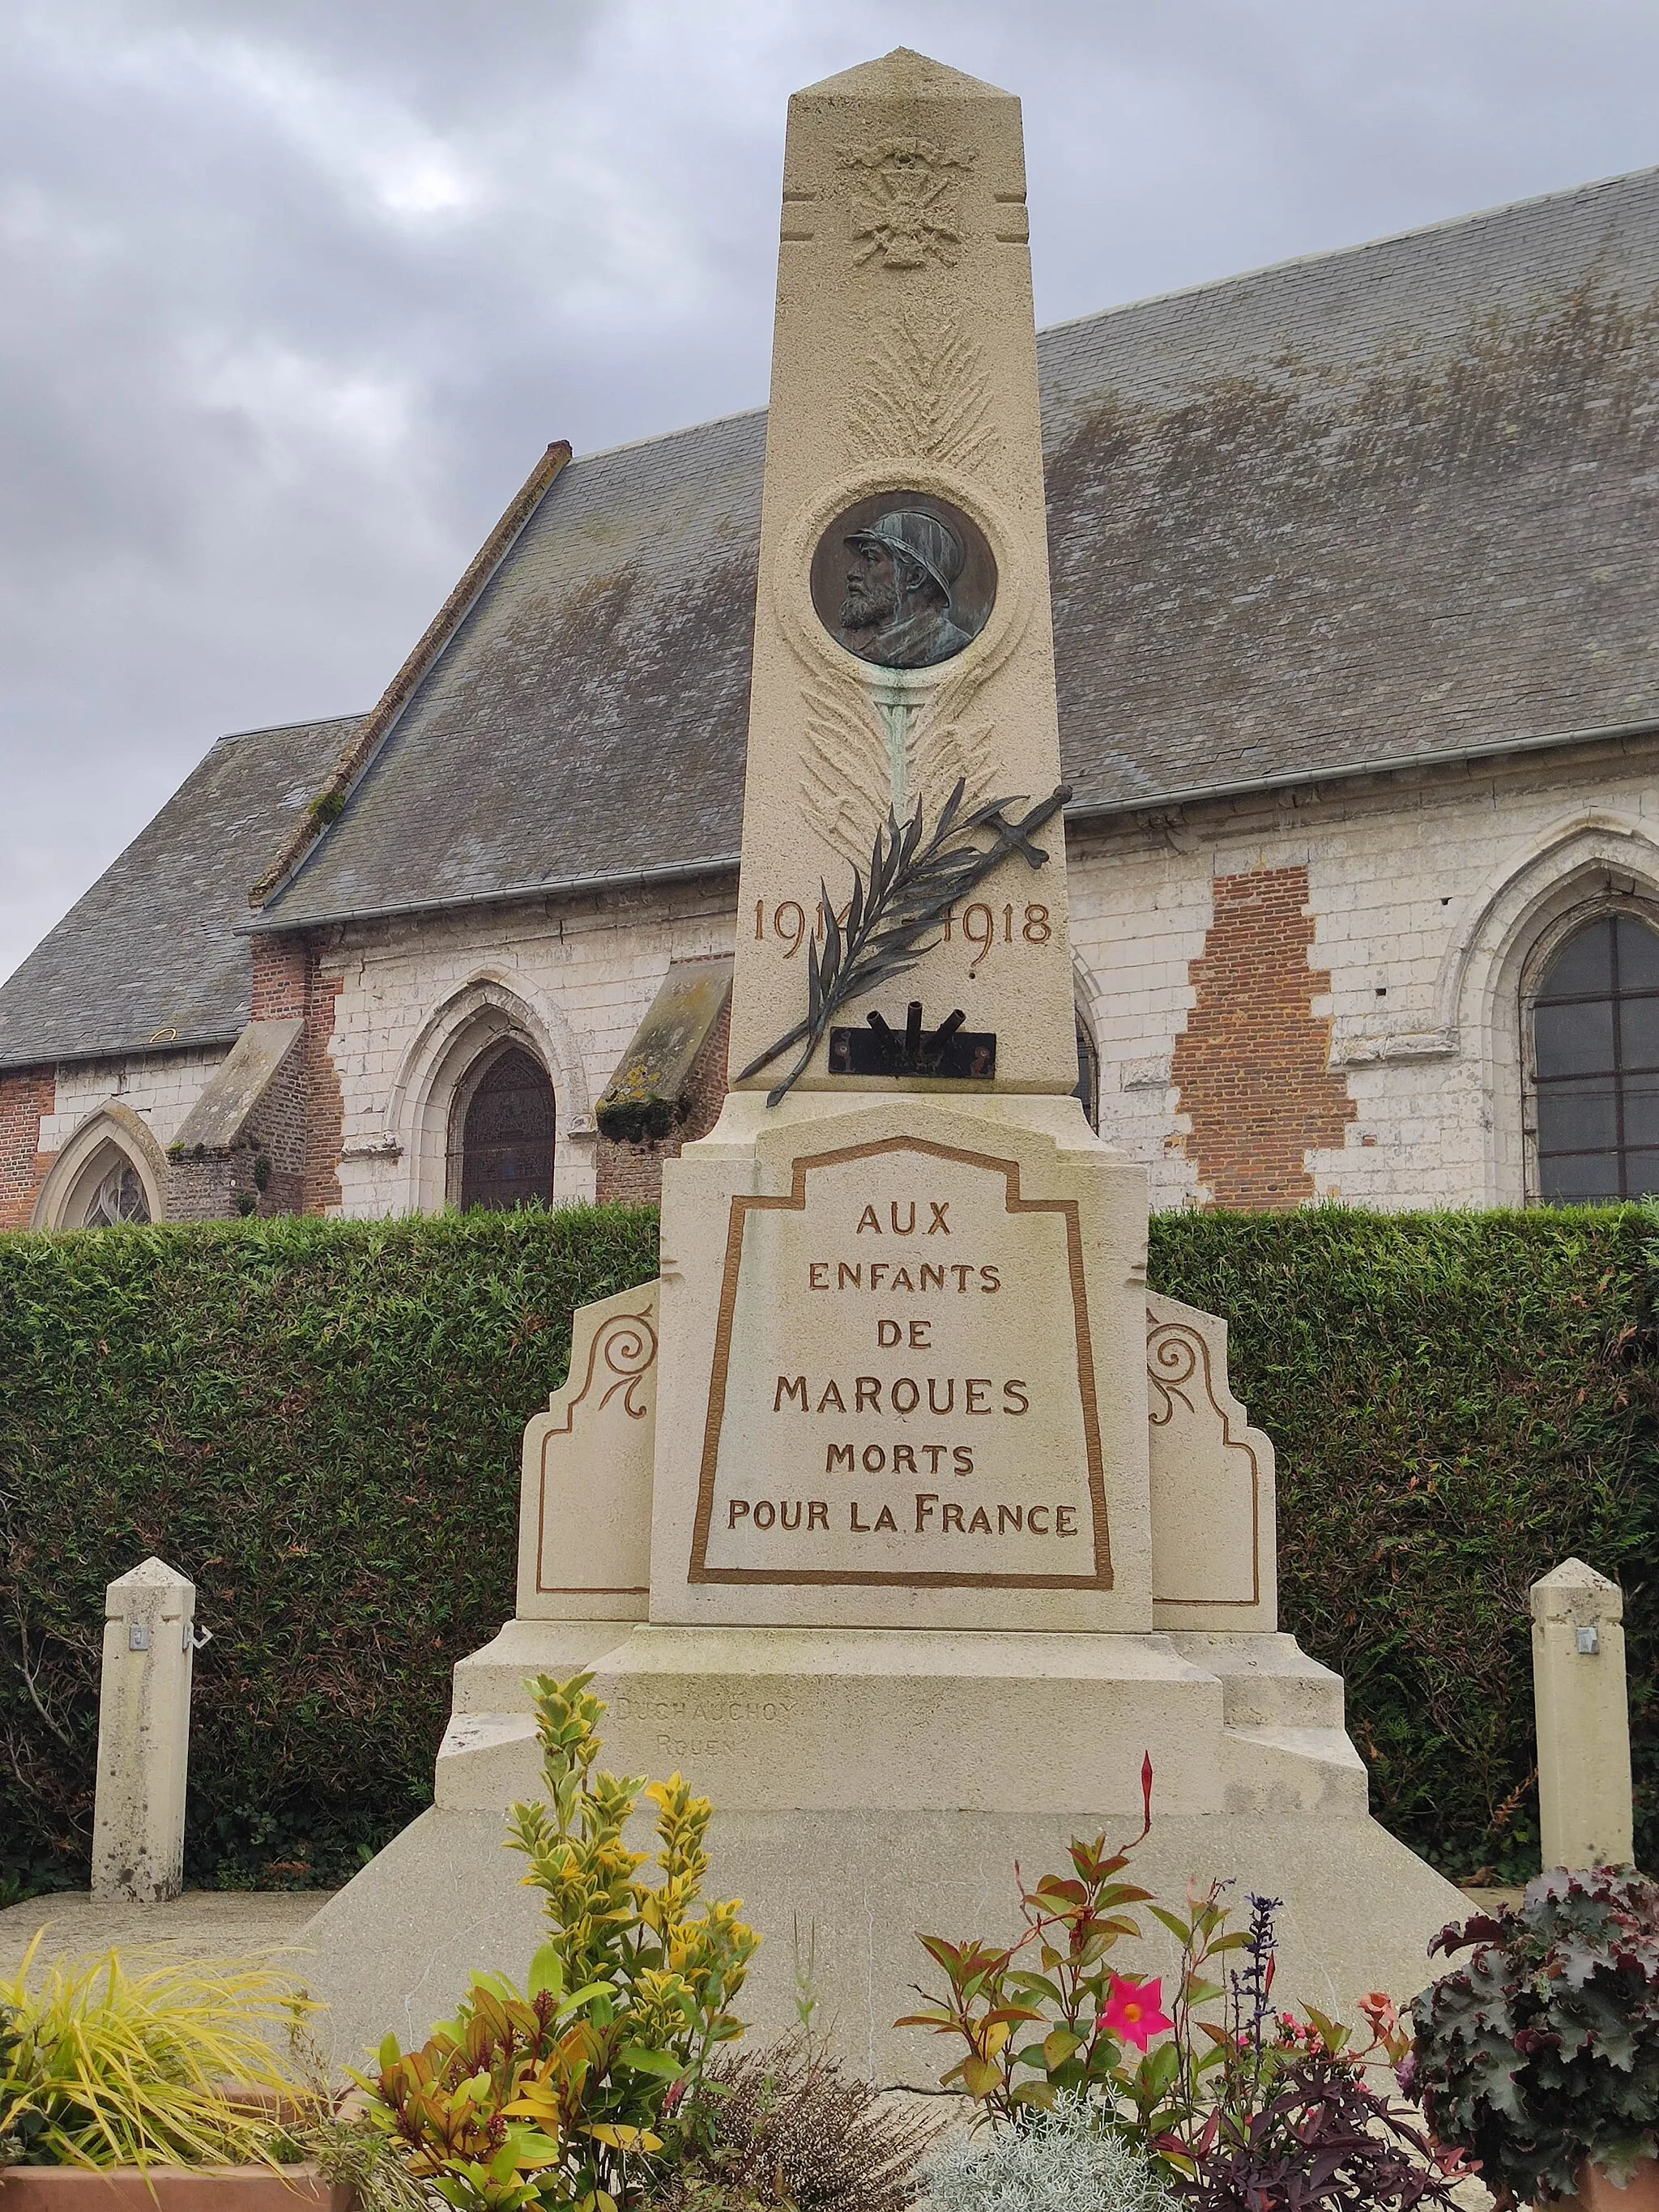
(318,1422)
(1459,1401)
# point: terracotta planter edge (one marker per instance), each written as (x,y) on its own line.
(1598,2192)
(170,2189)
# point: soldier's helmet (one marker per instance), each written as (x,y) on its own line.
(911,535)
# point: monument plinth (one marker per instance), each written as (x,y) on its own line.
(903,1370)
(897,1514)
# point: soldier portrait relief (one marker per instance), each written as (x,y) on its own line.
(904,580)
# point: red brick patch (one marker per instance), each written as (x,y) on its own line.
(1252,1066)
(26,1097)
(301,1119)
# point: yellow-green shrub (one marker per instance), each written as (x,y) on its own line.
(543,2097)
(120,2062)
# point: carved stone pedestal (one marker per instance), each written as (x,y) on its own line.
(877,1770)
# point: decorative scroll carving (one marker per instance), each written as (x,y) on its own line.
(907,213)
(627,1348)
(1175,1354)
(585,1515)
(922,394)
(1212,1478)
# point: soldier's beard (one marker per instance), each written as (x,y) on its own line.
(863,608)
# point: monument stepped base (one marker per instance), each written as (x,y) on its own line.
(871,1782)
(785,1720)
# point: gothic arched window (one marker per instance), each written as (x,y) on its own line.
(506,1135)
(119,1196)
(1596,1064)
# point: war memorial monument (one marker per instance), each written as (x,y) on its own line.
(897,1514)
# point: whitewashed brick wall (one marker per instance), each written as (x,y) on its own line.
(1401,872)
(586,971)
(160,1092)
(1409,883)
(1425,894)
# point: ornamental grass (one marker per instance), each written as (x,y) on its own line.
(125,2060)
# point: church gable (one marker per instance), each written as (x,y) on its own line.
(150,959)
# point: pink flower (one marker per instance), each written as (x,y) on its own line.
(1133,2011)
(1376,2008)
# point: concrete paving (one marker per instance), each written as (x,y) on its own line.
(202,1923)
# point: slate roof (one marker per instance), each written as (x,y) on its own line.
(1390,501)
(1386,502)
(152,947)
(590,715)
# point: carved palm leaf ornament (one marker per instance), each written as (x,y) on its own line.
(914,876)
(923,392)
(941,749)
(874,748)
(849,785)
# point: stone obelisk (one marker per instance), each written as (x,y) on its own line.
(897,1515)
(914,1274)
(904,383)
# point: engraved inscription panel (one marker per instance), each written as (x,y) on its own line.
(904,1383)
(711,1724)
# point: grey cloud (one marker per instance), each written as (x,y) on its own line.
(295,292)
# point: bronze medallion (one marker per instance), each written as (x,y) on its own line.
(904,580)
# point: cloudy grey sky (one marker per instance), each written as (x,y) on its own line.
(293,292)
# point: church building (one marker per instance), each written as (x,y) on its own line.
(1356,596)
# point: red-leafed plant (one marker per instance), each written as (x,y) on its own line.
(1540,2050)
(1246,2108)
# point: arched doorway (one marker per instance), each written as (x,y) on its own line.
(1595,1057)
(1088,1071)
(506,1134)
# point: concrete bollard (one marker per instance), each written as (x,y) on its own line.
(143,1734)
(1583,1718)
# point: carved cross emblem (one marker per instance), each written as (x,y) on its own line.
(906,212)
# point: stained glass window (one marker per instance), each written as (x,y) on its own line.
(119,1197)
(1596,1058)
